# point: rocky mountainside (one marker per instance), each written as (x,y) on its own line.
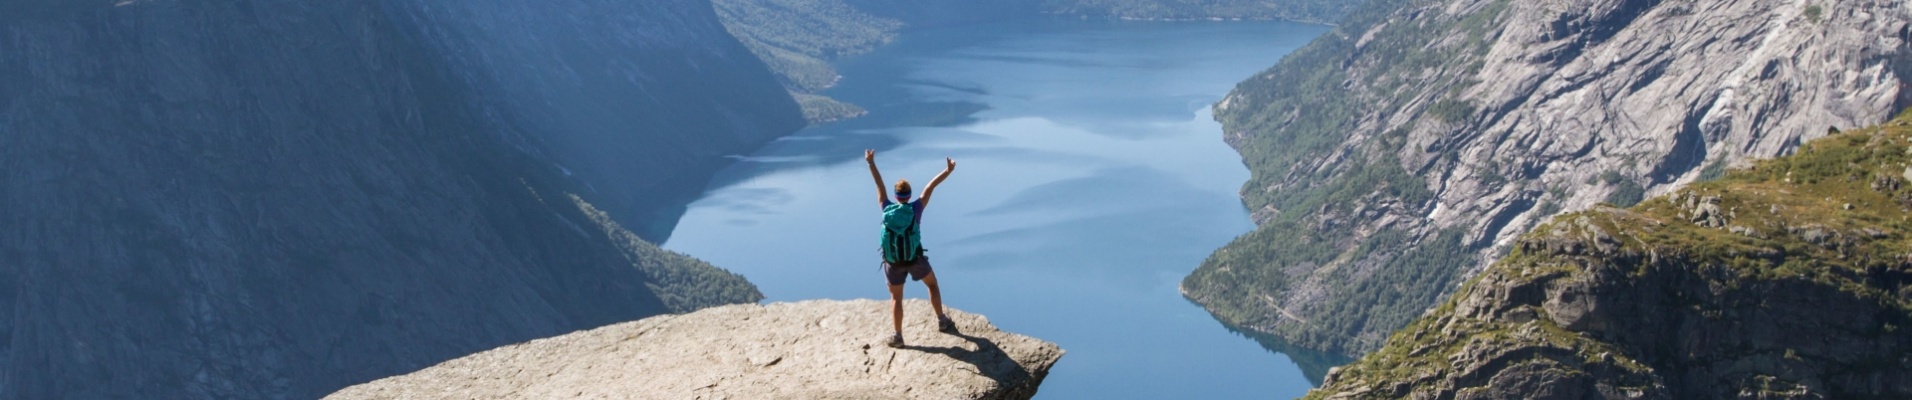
(268,199)
(1401,151)
(807,350)
(1788,280)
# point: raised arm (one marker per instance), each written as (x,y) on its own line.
(869,157)
(949,165)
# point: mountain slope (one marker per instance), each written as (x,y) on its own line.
(639,101)
(1401,151)
(1785,280)
(264,199)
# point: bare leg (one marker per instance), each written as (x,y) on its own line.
(935,294)
(896,308)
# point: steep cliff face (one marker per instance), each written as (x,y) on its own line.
(807,350)
(265,199)
(1399,152)
(1788,280)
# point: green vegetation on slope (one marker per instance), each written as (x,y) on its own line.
(682,282)
(1788,278)
(821,109)
(1295,115)
(796,38)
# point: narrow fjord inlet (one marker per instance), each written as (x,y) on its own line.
(1092,179)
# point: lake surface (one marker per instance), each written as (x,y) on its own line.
(1090,179)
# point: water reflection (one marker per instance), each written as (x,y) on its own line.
(1314,364)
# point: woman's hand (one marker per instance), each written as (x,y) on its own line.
(950,164)
(869,156)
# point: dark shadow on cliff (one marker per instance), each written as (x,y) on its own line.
(989,359)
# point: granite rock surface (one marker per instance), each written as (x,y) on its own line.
(804,350)
(1406,149)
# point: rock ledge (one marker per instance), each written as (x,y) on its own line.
(806,350)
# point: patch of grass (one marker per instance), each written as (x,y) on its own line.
(1713,171)
(1611,177)
(1451,111)
(1548,207)
(1626,194)
(1490,174)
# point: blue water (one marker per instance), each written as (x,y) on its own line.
(1090,179)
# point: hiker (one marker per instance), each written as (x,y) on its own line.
(902,246)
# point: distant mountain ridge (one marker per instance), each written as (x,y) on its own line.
(266,199)
(798,38)
(1400,152)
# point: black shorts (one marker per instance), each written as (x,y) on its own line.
(916,271)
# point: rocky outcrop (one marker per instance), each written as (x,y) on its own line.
(272,199)
(1789,280)
(805,350)
(1402,151)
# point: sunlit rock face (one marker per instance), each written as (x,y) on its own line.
(1403,151)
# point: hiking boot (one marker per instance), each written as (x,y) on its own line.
(944,324)
(896,341)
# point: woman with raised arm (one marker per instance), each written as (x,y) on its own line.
(902,245)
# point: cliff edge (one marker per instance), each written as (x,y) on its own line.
(806,350)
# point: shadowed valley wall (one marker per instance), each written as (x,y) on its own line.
(261,199)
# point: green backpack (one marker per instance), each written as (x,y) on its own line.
(902,244)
